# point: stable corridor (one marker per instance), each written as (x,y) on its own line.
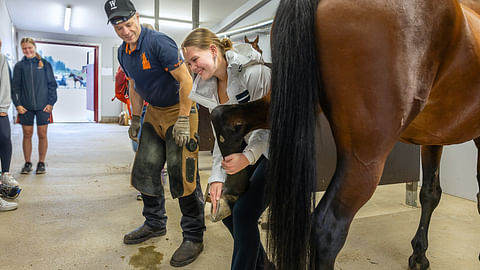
(75,216)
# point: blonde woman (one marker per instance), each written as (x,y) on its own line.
(34,92)
(228,74)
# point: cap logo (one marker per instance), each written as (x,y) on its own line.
(113,4)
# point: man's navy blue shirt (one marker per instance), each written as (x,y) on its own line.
(149,63)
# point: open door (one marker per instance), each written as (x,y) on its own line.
(75,68)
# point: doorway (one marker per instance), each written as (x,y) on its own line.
(75,69)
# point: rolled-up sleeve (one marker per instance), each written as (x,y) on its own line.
(257,144)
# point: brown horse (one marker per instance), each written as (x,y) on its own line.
(254,43)
(380,71)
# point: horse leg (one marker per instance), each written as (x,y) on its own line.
(477,144)
(430,195)
(352,185)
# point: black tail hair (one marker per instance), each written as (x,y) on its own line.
(291,180)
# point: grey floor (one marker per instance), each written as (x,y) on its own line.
(74,217)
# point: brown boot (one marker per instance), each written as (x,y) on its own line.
(186,253)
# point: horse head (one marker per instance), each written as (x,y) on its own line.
(253,43)
(231,123)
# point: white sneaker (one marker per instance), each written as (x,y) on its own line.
(8,179)
(7,206)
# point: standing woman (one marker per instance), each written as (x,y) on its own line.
(229,74)
(5,136)
(5,139)
(34,92)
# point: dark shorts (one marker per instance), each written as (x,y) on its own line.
(27,118)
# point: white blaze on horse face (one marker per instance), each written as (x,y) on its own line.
(200,62)
(28,49)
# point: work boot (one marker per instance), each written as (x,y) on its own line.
(142,233)
(27,168)
(40,168)
(7,206)
(186,253)
(8,179)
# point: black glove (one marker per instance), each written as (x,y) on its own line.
(134,127)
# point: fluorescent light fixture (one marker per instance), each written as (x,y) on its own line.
(68,16)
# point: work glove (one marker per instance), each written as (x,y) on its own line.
(181,130)
(134,128)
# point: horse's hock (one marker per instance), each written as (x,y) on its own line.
(402,165)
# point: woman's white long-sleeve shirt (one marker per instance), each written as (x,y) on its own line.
(5,91)
(248,80)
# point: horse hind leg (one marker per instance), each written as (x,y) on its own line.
(351,187)
(477,144)
(430,195)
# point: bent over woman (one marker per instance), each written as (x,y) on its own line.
(228,74)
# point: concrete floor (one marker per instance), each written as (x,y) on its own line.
(75,216)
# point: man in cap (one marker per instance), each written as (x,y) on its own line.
(152,62)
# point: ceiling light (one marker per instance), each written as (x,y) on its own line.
(68,16)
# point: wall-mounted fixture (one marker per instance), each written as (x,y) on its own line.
(68,16)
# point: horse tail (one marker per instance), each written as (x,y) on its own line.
(291,177)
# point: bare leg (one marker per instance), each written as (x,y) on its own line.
(42,142)
(430,195)
(27,142)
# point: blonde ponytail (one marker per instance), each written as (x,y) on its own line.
(227,44)
(40,63)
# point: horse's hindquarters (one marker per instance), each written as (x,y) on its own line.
(379,60)
(452,110)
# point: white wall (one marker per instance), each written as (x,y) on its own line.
(458,170)
(8,46)
(106,84)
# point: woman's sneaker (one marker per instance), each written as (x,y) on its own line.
(7,206)
(40,168)
(8,179)
(9,192)
(27,168)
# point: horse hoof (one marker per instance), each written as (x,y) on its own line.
(418,262)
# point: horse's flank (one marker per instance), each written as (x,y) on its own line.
(457,82)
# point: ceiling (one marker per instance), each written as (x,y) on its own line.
(89,19)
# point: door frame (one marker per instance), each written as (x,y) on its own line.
(95,68)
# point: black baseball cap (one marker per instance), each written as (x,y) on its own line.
(119,11)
